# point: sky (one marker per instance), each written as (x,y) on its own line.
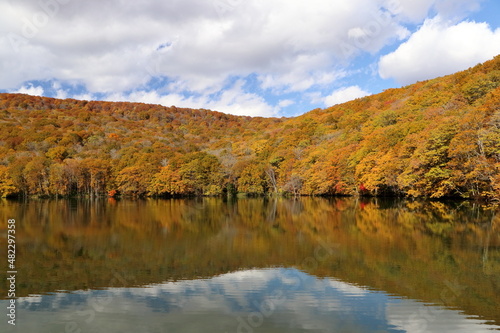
(269,58)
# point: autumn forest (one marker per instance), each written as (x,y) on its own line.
(437,138)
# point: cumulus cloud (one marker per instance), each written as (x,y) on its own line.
(198,46)
(233,100)
(237,101)
(344,95)
(30,90)
(103,44)
(285,102)
(417,11)
(439,48)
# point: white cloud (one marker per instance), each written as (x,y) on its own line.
(285,102)
(113,48)
(236,101)
(457,9)
(84,97)
(414,11)
(344,95)
(439,48)
(30,90)
(102,46)
(417,11)
(59,91)
(233,100)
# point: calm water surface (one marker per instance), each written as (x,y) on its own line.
(253,265)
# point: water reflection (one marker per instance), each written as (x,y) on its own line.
(269,300)
(447,255)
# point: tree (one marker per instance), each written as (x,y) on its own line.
(201,173)
(132,181)
(36,175)
(435,138)
(59,182)
(58,153)
(7,186)
(272,178)
(167,182)
(294,185)
(252,179)
(97,173)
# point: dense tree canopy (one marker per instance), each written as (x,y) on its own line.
(435,138)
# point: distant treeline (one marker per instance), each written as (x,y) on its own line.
(434,139)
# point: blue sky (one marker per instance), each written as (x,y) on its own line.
(257,58)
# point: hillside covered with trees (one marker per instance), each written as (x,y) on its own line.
(435,138)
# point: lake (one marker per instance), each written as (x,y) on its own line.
(252,265)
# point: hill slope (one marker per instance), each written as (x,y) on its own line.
(435,138)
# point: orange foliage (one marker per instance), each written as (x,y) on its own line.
(435,138)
